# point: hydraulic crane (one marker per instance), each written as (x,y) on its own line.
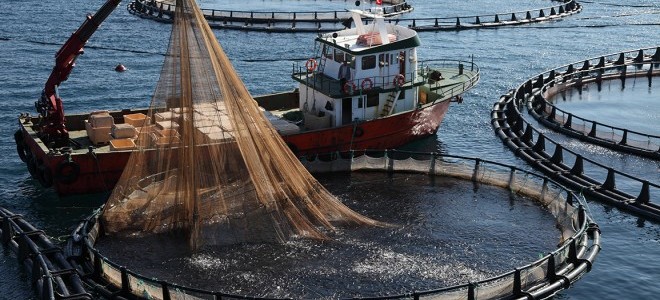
(49,106)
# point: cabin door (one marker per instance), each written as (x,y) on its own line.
(402,63)
(346,110)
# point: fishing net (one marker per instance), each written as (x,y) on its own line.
(209,164)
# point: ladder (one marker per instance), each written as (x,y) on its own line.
(389,103)
(322,57)
(322,60)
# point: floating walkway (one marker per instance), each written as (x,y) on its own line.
(530,143)
(328,21)
(619,66)
(553,272)
(53,277)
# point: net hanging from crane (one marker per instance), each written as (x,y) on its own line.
(209,163)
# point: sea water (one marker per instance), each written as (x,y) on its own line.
(32,31)
(440,232)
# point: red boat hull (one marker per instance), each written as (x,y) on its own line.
(100,171)
(383,133)
(95,174)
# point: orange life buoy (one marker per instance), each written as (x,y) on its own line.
(311,64)
(399,80)
(367,84)
(349,88)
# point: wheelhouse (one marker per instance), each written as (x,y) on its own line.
(362,73)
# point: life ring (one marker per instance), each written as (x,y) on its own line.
(358,132)
(21,148)
(44,175)
(349,88)
(311,64)
(399,80)
(67,171)
(367,84)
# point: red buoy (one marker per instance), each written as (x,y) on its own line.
(120,68)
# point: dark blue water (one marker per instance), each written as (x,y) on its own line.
(32,31)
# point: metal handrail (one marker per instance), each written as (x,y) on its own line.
(417,77)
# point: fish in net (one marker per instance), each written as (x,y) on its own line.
(209,164)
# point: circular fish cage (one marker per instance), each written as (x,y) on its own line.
(575,170)
(612,67)
(328,21)
(440,188)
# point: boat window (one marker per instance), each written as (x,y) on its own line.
(368,62)
(359,101)
(351,60)
(384,59)
(327,52)
(339,56)
(394,60)
(372,99)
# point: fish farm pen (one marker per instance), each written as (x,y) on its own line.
(530,143)
(216,203)
(620,66)
(557,270)
(327,21)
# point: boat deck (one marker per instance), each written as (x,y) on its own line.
(81,140)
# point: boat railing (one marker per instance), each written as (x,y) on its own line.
(335,87)
(558,269)
(166,9)
(428,66)
(324,83)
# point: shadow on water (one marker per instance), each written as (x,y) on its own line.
(427,144)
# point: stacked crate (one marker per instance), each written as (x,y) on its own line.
(98,127)
(212,125)
(166,129)
(143,128)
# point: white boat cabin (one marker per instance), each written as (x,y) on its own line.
(363,73)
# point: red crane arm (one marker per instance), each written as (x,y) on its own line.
(50,105)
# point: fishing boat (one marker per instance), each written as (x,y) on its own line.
(364,88)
